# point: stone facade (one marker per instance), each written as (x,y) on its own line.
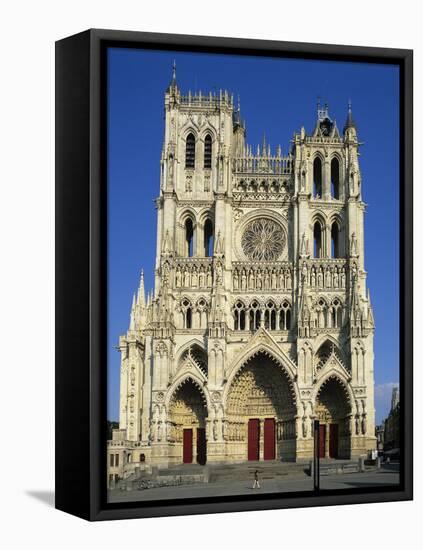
(260,309)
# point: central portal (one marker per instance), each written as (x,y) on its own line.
(261,412)
(253,439)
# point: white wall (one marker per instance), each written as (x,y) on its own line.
(28,32)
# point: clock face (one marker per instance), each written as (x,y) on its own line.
(263,240)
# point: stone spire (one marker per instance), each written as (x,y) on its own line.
(173,86)
(141,291)
(349,123)
(132,317)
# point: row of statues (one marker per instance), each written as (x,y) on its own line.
(262,279)
(193,276)
(326,277)
(257,278)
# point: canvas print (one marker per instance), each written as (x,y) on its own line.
(253,275)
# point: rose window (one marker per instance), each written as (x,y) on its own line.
(263,240)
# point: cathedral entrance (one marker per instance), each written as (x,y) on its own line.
(187,446)
(187,416)
(253,438)
(269,439)
(333,411)
(261,412)
(333,441)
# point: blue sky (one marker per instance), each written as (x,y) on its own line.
(278,96)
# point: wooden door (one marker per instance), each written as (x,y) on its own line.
(201,446)
(269,439)
(187,446)
(253,439)
(333,441)
(322,440)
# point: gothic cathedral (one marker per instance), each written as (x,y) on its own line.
(260,321)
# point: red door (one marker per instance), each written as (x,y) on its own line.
(253,438)
(322,440)
(201,445)
(187,446)
(333,441)
(269,439)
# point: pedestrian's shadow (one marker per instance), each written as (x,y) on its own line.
(46,497)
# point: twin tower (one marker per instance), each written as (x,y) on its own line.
(260,321)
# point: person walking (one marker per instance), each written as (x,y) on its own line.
(256,484)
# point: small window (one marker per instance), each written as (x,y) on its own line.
(317,239)
(317,178)
(208,238)
(116,460)
(334,177)
(112,460)
(334,234)
(189,238)
(190,152)
(142,457)
(207,152)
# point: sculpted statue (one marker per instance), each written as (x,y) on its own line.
(251,280)
(343,278)
(178,277)
(236,280)
(288,280)
(194,277)
(274,283)
(328,279)
(201,277)
(336,278)
(266,280)
(259,280)
(281,280)
(244,280)
(186,278)
(209,276)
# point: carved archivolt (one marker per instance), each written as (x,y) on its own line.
(261,388)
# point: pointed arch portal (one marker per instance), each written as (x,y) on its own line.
(333,411)
(187,421)
(261,411)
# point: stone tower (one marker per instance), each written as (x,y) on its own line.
(260,320)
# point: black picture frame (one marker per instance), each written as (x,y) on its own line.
(81,282)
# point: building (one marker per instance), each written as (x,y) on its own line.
(391,436)
(260,321)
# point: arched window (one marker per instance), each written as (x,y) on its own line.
(187,313)
(285,316)
(270,316)
(208,238)
(334,240)
(190,151)
(189,238)
(208,152)
(321,310)
(334,178)
(239,316)
(317,178)
(317,240)
(255,315)
(336,314)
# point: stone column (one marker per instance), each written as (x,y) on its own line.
(261,439)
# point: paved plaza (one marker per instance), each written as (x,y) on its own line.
(387,475)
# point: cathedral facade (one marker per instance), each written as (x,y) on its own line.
(260,320)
